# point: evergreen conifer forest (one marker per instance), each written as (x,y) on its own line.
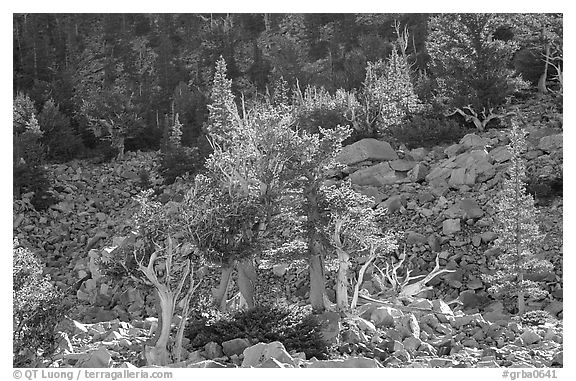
(275,190)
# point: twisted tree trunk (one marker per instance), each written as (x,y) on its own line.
(317,279)
(220,292)
(342,279)
(246,280)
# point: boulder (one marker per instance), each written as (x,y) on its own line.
(530,337)
(402,165)
(259,353)
(350,362)
(366,149)
(438,173)
(385,316)
(473,141)
(551,143)
(418,173)
(235,346)
(424,304)
(471,208)
(213,350)
(451,226)
(454,150)
(434,242)
(273,363)
(372,192)
(500,154)
(206,364)
(459,176)
(414,238)
(279,269)
(488,237)
(470,299)
(411,344)
(555,307)
(558,359)
(418,154)
(352,336)
(393,203)
(365,325)
(475,319)
(408,326)
(441,362)
(443,311)
(376,175)
(99,358)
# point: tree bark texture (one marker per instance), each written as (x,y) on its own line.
(220,292)
(246,280)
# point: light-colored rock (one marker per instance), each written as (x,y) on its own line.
(393,203)
(475,319)
(454,150)
(488,236)
(441,362)
(235,346)
(385,316)
(414,238)
(500,154)
(438,173)
(99,358)
(558,359)
(279,269)
(366,149)
(434,242)
(376,175)
(350,362)
(473,141)
(408,326)
(530,337)
(418,154)
(402,165)
(443,311)
(459,176)
(365,325)
(273,363)
(213,350)
(206,364)
(411,344)
(418,173)
(257,354)
(470,208)
(451,226)
(372,192)
(551,143)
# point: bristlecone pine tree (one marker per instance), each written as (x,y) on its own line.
(221,120)
(518,232)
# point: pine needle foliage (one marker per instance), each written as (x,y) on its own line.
(519,235)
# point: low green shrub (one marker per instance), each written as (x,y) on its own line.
(426,131)
(294,327)
(536,317)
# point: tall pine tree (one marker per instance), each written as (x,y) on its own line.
(222,109)
(519,235)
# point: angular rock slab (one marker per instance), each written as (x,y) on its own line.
(366,149)
(350,362)
(551,143)
(235,346)
(376,175)
(257,354)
